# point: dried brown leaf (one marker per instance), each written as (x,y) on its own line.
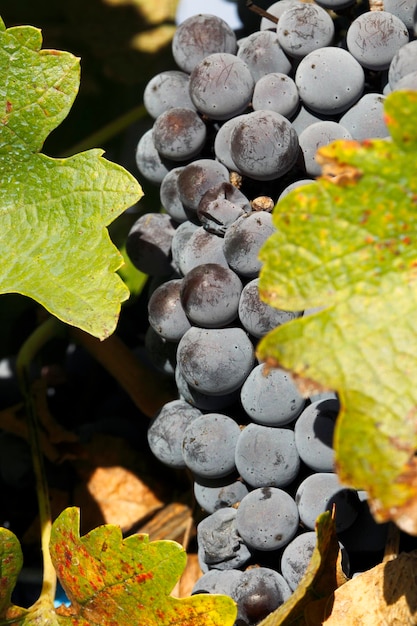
(385,595)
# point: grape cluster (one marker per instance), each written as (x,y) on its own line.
(236,127)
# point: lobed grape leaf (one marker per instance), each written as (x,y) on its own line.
(347,243)
(54,212)
(11,561)
(110,580)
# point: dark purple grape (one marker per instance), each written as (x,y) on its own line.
(179,134)
(148,244)
(221,86)
(303,28)
(202,247)
(375,37)
(403,9)
(365,120)
(267,518)
(221,206)
(243,240)
(166,432)
(201,400)
(276,92)
(258,592)
(403,62)
(263,54)
(209,443)
(313,431)
(167,90)
(217,496)
(264,145)
(197,177)
(409,81)
(148,160)
(170,197)
(258,317)
(321,491)
(340,76)
(315,136)
(219,543)
(217,581)
(270,396)
(181,235)
(279,462)
(276,9)
(165,312)
(161,353)
(215,361)
(222,143)
(198,36)
(210,295)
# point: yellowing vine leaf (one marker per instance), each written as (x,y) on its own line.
(11,561)
(348,243)
(53,212)
(111,580)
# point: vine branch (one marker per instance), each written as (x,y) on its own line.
(42,334)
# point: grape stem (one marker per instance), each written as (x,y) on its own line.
(42,334)
(254,7)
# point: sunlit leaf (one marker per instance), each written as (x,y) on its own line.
(347,243)
(385,594)
(111,580)
(54,212)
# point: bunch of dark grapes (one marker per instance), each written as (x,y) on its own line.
(236,127)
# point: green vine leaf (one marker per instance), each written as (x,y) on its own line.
(11,561)
(111,580)
(347,243)
(54,212)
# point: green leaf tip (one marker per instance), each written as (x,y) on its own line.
(54,212)
(111,580)
(346,244)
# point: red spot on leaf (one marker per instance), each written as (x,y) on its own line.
(365,216)
(68,558)
(388,119)
(141,578)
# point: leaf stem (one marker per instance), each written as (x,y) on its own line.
(27,353)
(107,132)
(256,9)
